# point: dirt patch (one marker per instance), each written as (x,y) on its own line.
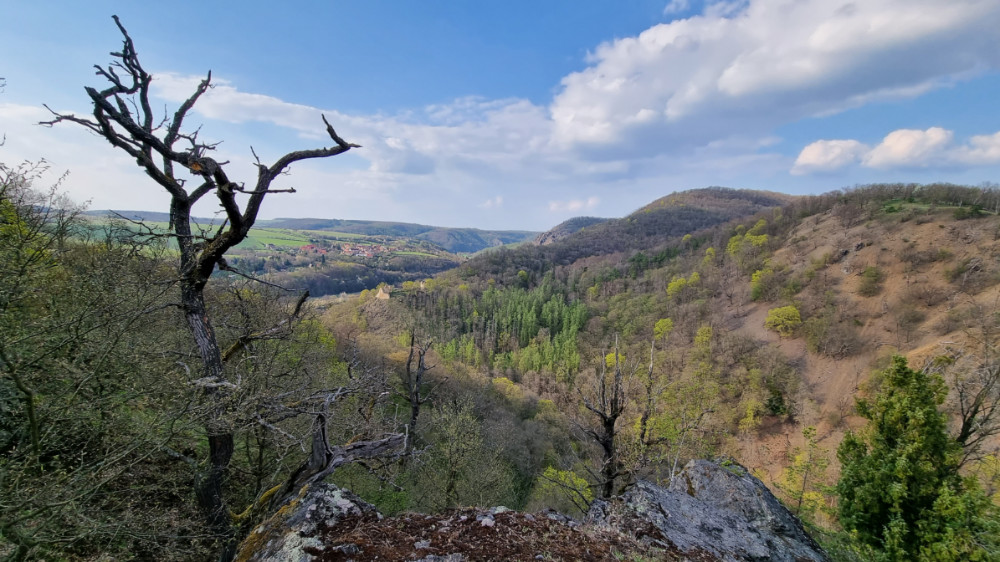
(476,535)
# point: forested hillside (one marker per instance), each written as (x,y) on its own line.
(454,240)
(520,379)
(171,390)
(330,256)
(749,338)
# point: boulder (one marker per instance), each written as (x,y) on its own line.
(711,511)
(293,533)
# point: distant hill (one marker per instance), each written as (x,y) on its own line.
(454,240)
(648,230)
(564,229)
(671,216)
(147,216)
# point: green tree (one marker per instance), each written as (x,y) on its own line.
(900,491)
(564,490)
(783,320)
(803,481)
(459,467)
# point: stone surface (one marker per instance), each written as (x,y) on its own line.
(711,511)
(293,533)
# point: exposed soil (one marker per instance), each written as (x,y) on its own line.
(476,535)
(914,258)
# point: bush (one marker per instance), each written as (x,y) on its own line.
(825,334)
(784,320)
(871,282)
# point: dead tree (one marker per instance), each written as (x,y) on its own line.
(608,403)
(124,116)
(413,382)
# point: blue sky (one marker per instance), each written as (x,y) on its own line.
(521,114)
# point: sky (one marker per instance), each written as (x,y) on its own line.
(521,114)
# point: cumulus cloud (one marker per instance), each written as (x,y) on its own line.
(691,102)
(574,205)
(827,156)
(980,150)
(900,149)
(749,66)
(908,148)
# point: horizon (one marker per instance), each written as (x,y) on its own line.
(521,116)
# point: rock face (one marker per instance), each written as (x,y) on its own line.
(711,511)
(294,533)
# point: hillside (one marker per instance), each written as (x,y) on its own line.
(566,228)
(649,234)
(872,272)
(330,256)
(454,240)
(741,331)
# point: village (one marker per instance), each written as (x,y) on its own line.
(354,250)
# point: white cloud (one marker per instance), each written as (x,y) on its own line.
(574,205)
(980,150)
(907,148)
(676,7)
(746,67)
(688,103)
(900,149)
(492,203)
(828,155)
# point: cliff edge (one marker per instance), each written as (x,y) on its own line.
(713,511)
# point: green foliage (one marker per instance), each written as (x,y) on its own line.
(749,248)
(677,285)
(681,287)
(804,481)
(562,490)
(900,492)
(610,360)
(761,283)
(871,282)
(663,328)
(530,330)
(784,320)
(709,256)
(459,468)
(969,212)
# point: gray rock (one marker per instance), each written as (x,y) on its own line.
(286,535)
(711,508)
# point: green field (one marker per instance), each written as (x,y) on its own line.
(411,253)
(259,238)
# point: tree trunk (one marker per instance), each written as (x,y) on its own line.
(610,468)
(208,484)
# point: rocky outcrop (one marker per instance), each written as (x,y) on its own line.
(295,532)
(711,511)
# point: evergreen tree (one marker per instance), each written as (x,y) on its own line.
(900,491)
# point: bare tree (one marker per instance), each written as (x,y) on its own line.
(973,372)
(413,383)
(608,401)
(124,116)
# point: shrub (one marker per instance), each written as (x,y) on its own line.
(784,320)
(871,282)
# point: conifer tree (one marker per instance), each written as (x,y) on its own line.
(900,490)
